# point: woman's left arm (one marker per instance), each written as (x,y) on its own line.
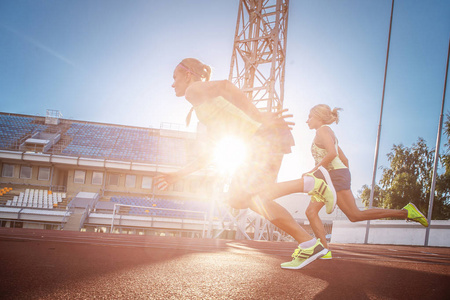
(204,91)
(343,158)
(235,96)
(240,100)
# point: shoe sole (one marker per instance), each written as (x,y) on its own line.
(308,261)
(327,177)
(323,257)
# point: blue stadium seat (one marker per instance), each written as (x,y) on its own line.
(135,144)
(13,128)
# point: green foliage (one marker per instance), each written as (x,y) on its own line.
(409,178)
(364,194)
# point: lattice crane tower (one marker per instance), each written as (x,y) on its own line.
(259,52)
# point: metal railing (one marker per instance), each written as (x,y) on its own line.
(118,205)
(85,214)
(68,213)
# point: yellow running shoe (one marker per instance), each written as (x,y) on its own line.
(415,215)
(324,191)
(302,257)
(327,256)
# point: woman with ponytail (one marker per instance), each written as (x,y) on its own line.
(328,154)
(225,110)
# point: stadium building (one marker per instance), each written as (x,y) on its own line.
(75,175)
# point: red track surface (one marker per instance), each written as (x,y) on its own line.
(41,264)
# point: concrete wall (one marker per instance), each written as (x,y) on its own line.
(16,176)
(63,177)
(391,232)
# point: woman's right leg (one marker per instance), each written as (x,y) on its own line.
(346,203)
(279,217)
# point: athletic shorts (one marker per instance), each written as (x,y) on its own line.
(341,178)
(265,153)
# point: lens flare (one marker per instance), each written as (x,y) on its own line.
(229,153)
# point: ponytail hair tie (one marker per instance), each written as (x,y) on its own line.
(189,70)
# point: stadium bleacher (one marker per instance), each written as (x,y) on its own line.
(135,144)
(37,198)
(100,140)
(13,128)
(165,147)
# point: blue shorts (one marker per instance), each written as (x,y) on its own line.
(341,178)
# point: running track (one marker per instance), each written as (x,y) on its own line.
(41,264)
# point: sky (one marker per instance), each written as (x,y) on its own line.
(112,61)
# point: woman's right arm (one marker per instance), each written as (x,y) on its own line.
(164,180)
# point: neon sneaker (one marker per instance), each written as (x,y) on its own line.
(324,191)
(302,257)
(415,215)
(327,256)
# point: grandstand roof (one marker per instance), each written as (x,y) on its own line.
(98,140)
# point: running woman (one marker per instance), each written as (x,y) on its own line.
(225,110)
(328,154)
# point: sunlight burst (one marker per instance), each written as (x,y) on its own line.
(230,152)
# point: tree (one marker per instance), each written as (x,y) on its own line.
(364,195)
(409,178)
(443,182)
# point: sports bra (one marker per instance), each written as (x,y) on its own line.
(319,153)
(221,117)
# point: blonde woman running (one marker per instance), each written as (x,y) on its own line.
(328,154)
(225,110)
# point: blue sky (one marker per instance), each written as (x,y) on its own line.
(112,62)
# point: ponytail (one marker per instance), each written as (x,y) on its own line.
(324,113)
(335,114)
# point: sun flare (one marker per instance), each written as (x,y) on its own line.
(229,153)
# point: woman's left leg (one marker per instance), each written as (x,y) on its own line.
(312,213)
(346,203)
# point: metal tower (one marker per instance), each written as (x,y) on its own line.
(258,69)
(259,52)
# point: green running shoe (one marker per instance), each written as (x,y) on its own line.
(415,215)
(327,256)
(302,257)
(324,191)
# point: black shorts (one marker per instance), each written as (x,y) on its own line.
(341,178)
